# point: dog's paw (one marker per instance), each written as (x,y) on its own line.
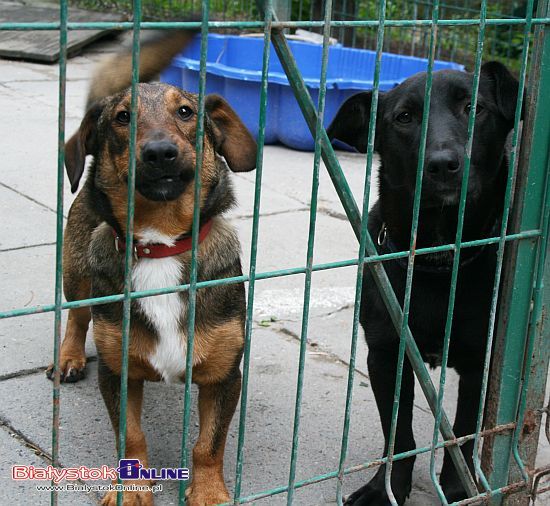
(72,368)
(129,499)
(374,492)
(209,495)
(452,488)
(368,495)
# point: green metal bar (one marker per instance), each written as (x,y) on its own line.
(362,246)
(415,17)
(160,25)
(390,300)
(310,248)
(459,8)
(510,183)
(63,15)
(457,250)
(535,152)
(253,253)
(536,316)
(534,328)
(378,462)
(465,478)
(131,184)
(14,313)
(191,307)
(536,369)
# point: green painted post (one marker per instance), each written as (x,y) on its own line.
(191,305)
(517,300)
(361,255)
(253,255)
(127,301)
(309,255)
(63,14)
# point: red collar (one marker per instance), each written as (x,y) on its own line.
(162,250)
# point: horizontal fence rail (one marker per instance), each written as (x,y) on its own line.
(525,233)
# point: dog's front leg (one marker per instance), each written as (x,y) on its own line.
(72,357)
(217,403)
(136,447)
(382,365)
(469,389)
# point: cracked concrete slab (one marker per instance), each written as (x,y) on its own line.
(14,452)
(29,276)
(88,440)
(293,178)
(27,223)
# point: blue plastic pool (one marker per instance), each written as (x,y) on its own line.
(234,67)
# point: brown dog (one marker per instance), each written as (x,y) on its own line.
(94,264)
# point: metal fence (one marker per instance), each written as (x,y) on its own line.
(518,335)
(456,43)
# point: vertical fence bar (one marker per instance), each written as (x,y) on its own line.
(500,252)
(413,35)
(381,279)
(535,374)
(253,249)
(199,151)
(457,246)
(362,248)
(310,246)
(534,328)
(412,248)
(63,11)
(128,254)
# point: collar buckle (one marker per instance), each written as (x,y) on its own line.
(382,235)
(119,250)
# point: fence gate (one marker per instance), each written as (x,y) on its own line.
(512,407)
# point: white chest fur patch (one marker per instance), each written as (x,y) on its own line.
(164,312)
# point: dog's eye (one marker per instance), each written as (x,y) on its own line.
(404,117)
(468,108)
(123,117)
(185,112)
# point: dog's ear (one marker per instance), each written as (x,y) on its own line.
(82,143)
(504,86)
(351,123)
(233,140)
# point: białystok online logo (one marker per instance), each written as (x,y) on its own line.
(128,469)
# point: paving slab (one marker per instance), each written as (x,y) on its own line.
(330,335)
(14,71)
(27,277)
(290,172)
(26,343)
(272,203)
(282,241)
(282,244)
(25,223)
(15,452)
(87,440)
(46,92)
(29,166)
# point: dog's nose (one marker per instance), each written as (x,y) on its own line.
(159,153)
(442,164)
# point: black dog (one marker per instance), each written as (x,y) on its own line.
(398,127)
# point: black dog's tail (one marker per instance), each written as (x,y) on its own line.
(115,73)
